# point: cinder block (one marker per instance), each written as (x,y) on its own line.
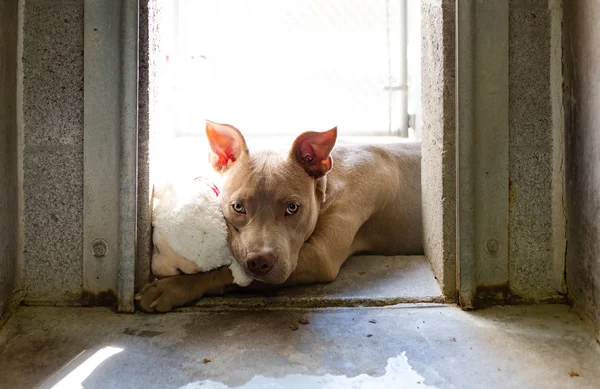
(53,218)
(530,219)
(53,73)
(533,141)
(53,152)
(528,4)
(529,68)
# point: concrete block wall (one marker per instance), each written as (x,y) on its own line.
(536,217)
(536,143)
(52,153)
(582,123)
(52,148)
(8,154)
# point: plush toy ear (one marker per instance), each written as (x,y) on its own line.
(311,150)
(227,145)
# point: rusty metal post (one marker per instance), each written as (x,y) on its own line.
(482,148)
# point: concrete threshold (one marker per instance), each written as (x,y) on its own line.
(369,281)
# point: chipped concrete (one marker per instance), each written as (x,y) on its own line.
(502,347)
(582,61)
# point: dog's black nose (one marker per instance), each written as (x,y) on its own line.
(261,264)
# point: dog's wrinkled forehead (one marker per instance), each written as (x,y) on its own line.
(268,173)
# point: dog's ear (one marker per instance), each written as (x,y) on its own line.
(227,145)
(311,150)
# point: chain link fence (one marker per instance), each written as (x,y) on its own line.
(281,67)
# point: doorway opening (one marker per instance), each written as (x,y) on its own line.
(277,69)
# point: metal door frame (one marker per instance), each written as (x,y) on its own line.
(110,146)
(111,53)
(482,129)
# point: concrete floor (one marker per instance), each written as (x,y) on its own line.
(410,346)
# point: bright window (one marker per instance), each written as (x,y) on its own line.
(275,67)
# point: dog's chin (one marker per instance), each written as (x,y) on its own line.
(275,279)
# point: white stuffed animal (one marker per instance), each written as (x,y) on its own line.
(190,234)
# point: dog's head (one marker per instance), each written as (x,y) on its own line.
(271,201)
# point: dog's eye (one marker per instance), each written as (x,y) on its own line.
(239,208)
(291,209)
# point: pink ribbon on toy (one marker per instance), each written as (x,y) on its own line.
(210,184)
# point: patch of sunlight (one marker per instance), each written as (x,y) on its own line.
(76,377)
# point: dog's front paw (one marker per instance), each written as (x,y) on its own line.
(163,295)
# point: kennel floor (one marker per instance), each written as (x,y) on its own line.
(403,346)
(345,339)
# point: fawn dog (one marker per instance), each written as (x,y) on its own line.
(295,217)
